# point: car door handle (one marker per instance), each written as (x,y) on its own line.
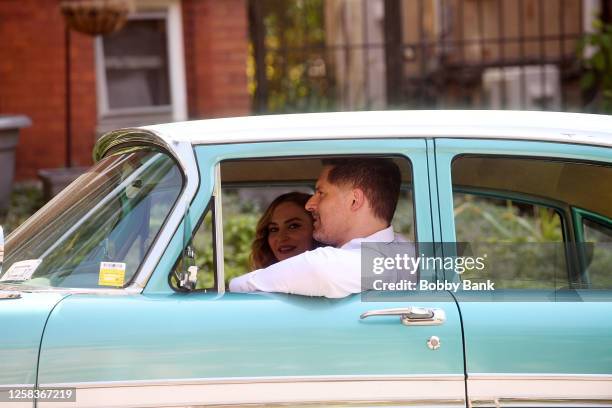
(411,316)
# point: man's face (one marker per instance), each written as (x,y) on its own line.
(330,207)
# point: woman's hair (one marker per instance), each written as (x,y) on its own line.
(261,253)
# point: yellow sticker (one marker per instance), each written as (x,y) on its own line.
(111,274)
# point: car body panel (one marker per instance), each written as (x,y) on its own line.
(23,321)
(518,343)
(187,338)
(148,345)
(292,341)
(536,337)
(575,128)
(208,157)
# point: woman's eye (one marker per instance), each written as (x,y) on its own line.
(272,229)
(294,226)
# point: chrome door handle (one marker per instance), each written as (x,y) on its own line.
(411,316)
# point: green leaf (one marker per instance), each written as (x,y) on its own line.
(580,44)
(588,80)
(597,24)
(599,61)
(606,42)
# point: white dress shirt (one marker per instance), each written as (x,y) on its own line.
(326,271)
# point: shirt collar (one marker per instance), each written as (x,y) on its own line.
(384,235)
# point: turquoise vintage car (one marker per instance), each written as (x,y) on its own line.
(116,288)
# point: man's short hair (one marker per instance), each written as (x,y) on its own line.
(378,178)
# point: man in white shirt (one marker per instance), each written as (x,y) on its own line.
(354,202)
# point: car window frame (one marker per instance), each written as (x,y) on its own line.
(561,209)
(447,150)
(578,215)
(216,206)
(207,156)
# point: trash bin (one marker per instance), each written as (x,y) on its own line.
(9,136)
(55,180)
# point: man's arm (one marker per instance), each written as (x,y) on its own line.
(320,272)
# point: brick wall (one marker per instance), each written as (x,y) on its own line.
(216,49)
(32,72)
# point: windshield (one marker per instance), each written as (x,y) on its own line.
(96,233)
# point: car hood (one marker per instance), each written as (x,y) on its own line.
(23,316)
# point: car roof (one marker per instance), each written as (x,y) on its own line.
(530,125)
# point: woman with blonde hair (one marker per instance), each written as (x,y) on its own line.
(284,230)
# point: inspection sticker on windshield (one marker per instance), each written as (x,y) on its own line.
(22,270)
(111,274)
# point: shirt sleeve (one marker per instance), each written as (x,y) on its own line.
(321,272)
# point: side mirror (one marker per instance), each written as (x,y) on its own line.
(1,248)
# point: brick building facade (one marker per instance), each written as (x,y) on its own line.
(204,57)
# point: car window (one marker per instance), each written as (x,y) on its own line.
(521,208)
(598,253)
(98,232)
(519,238)
(247,189)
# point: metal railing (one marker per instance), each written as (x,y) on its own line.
(312,55)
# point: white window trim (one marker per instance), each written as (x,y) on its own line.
(171,11)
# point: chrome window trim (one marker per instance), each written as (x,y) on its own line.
(218,217)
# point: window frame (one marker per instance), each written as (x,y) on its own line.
(215,205)
(561,209)
(176,110)
(448,149)
(578,215)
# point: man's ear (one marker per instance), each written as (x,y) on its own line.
(358,199)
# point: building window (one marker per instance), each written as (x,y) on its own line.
(141,69)
(136,65)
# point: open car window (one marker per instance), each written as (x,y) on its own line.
(247,189)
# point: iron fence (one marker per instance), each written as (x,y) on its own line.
(316,55)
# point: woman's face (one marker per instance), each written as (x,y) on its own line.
(289,231)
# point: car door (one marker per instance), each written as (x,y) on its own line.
(544,333)
(164,347)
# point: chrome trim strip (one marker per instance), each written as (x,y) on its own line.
(426,390)
(17,385)
(542,402)
(544,389)
(543,376)
(251,380)
(9,294)
(365,403)
(218,217)
(69,291)
(437,403)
